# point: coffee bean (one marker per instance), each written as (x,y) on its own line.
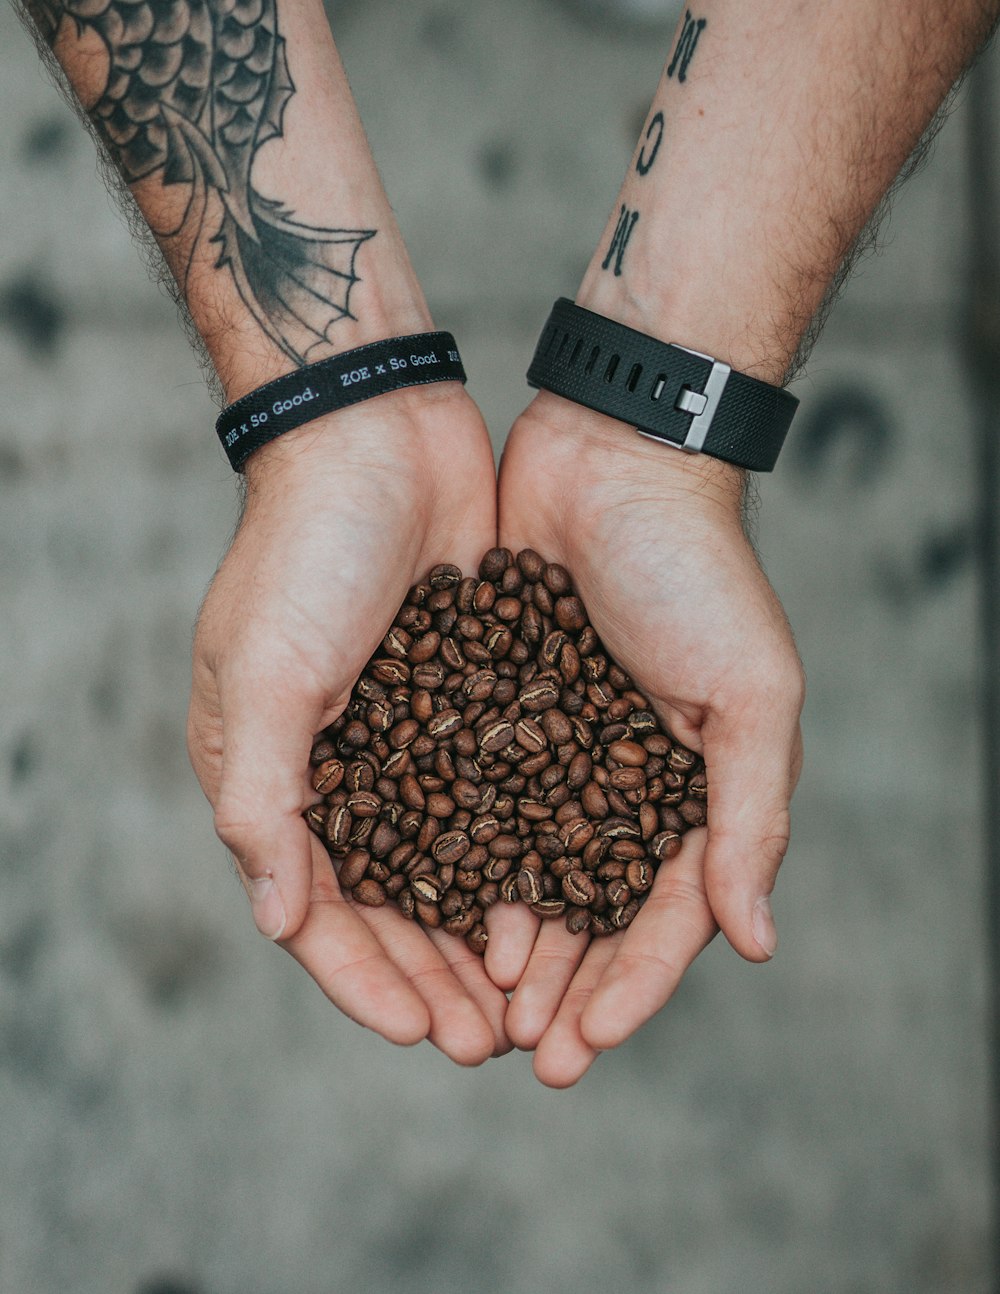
(353,868)
(639,875)
(665,845)
(556,579)
(496,736)
(578,888)
(444,576)
(328,776)
(693,812)
(540,695)
(370,893)
(529,886)
(477,939)
(450,846)
(547,908)
(494,563)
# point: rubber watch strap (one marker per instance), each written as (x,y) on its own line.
(680,396)
(335,383)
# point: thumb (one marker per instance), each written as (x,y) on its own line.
(752,762)
(266,737)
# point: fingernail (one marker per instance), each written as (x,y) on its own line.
(268,909)
(763,926)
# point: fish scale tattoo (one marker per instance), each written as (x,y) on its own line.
(194,89)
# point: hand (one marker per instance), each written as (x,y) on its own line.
(341,517)
(657,551)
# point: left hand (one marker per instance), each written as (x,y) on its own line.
(655,544)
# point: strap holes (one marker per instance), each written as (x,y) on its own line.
(576,352)
(609,372)
(658,386)
(562,344)
(589,366)
(633,377)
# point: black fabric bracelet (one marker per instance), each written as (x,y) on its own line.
(665,391)
(335,383)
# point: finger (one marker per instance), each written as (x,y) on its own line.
(673,926)
(468,969)
(267,736)
(458,1027)
(554,960)
(349,964)
(511,928)
(563,1055)
(751,758)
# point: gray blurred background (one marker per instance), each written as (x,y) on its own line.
(181,1111)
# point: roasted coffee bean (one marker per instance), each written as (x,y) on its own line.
(477,939)
(681,760)
(529,735)
(665,845)
(363,804)
(353,868)
(540,695)
(338,827)
(617,892)
(556,579)
(370,893)
(547,908)
(529,886)
(451,846)
(496,736)
(429,914)
(628,753)
(322,750)
(316,816)
(577,920)
(579,888)
(494,563)
(328,776)
(639,875)
(427,888)
(693,812)
(383,840)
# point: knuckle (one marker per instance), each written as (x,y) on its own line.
(237,823)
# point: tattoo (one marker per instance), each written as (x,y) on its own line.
(623,232)
(644,163)
(194,89)
(686,44)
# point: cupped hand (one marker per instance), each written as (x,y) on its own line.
(341,517)
(655,544)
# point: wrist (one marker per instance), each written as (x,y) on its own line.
(583,445)
(684,311)
(400,433)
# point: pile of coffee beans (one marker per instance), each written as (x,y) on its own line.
(492,752)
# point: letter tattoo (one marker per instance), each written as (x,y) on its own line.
(686,43)
(644,163)
(623,232)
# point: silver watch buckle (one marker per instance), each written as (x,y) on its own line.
(702,405)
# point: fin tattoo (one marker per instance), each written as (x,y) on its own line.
(194,89)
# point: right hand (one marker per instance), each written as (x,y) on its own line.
(341,517)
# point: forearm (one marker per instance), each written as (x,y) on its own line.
(775,131)
(235,130)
